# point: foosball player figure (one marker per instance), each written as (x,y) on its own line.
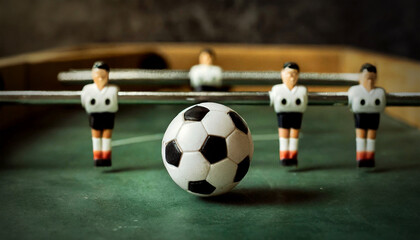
(289,102)
(205,76)
(366,102)
(100,101)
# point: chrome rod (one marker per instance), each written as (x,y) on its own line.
(230,78)
(243,98)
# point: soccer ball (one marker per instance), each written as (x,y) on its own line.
(207,149)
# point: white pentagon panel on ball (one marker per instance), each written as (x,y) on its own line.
(176,176)
(193,166)
(215,107)
(251,145)
(224,189)
(238,146)
(173,128)
(191,136)
(222,173)
(218,124)
(162,149)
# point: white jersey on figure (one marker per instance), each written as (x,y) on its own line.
(97,101)
(362,101)
(285,100)
(207,75)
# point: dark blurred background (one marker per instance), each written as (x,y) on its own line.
(385,26)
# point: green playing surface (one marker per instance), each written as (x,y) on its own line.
(50,189)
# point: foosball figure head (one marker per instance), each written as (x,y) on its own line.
(368,76)
(206,56)
(290,74)
(100,74)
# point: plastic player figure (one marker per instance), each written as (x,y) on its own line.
(205,76)
(366,102)
(100,100)
(289,102)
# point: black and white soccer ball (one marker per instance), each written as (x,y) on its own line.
(207,149)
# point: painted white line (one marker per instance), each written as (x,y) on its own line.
(265,137)
(140,139)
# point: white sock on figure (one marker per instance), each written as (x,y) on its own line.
(370,149)
(284,144)
(97,148)
(284,148)
(106,148)
(360,144)
(360,148)
(293,144)
(97,144)
(370,145)
(293,147)
(106,144)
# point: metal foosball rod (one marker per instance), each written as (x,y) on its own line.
(240,98)
(230,78)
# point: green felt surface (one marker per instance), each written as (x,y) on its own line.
(49,188)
